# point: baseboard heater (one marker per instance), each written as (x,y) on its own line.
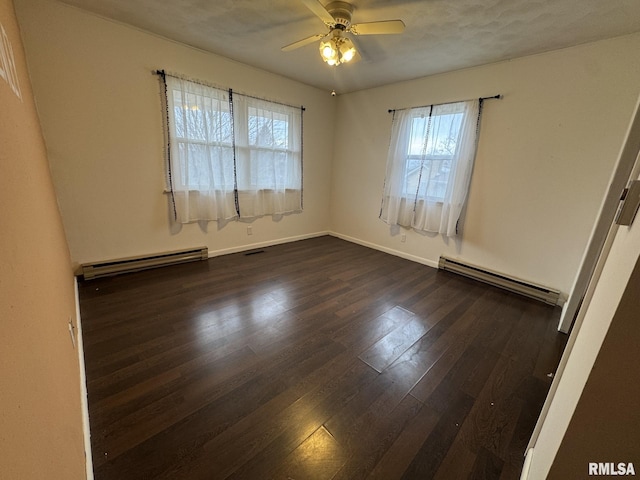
(538,292)
(143,262)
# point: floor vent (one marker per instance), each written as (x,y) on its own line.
(253,252)
(134,264)
(538,292)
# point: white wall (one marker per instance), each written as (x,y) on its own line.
(546,150)
(99,106)
(581,357)
(546,153)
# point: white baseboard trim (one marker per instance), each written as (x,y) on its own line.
(83,389)
(563,325)
(268,243)
(527,465)
(408,256)
(279,241)
(391,251)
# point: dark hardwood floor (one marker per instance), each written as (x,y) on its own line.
(317,359)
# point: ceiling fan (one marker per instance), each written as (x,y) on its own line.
(335,46)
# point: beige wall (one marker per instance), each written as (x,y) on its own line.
(41,434)
(99,107)
(545,156)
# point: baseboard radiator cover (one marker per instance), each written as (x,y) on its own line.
(531,290)
(143,262)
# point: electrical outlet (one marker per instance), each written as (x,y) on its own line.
(249,230)
(403,238)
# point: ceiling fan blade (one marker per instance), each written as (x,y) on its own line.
(316,7)
(303,42)
(377,28)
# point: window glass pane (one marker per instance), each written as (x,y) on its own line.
(204,167)
(435,135)
(269,156)
(444,135)
(435,176)
(201,118)
(268,129)
(432,145)
(418,135)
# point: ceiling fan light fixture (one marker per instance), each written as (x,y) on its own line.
(329,51)
(337,50)
(335,46)
(347,50)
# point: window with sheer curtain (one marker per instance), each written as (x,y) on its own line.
(429,166)
(231,156)
(268,140)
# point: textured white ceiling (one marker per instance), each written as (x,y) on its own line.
(440,35)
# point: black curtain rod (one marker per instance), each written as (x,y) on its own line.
(495,97)
(162,73)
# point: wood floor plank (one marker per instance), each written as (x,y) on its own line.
(253,366)
(410,368)
(232,394)
(262,464)
(362,332)
(431,454)
(494,416)
(401,453)
(390,347)
(472,321)
(217,449)
(319,457)
(487,466)
(371,435)
(459,462)
(550,350)
(532,396)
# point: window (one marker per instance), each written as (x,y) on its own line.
(268,145)
(429,166)
(203,138)
(231,156)
(432,145)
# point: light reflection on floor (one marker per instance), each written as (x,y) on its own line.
(319,457)
(224,319)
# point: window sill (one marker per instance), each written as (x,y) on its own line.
(241,192)
(429,201)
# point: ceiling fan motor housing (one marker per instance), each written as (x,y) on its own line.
(341,13)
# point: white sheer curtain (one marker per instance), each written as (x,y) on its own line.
(201,168)
(429,166)
(268,140)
